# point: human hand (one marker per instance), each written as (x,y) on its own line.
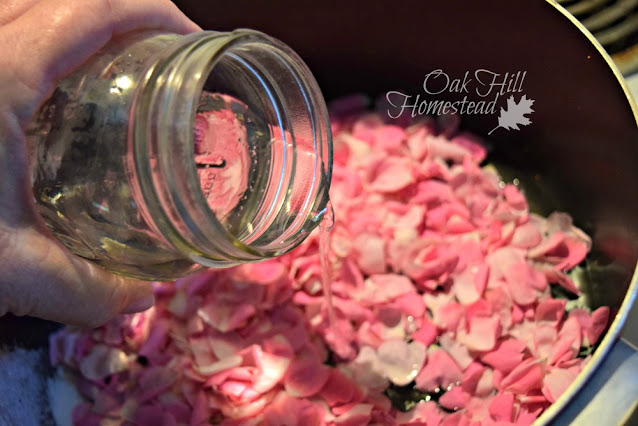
(42,41)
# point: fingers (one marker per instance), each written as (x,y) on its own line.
(11,9)
(40,278)
(52,38)
(128,15)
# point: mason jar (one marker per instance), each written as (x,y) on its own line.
(165,154)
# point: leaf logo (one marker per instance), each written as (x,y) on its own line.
(514,115)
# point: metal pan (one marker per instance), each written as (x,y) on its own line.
(579,155)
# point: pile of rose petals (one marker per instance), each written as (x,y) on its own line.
(441,296)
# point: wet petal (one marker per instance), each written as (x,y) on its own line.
(401,361)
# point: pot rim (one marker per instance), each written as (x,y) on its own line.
(615,328)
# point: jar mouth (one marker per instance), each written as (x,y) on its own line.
(245,174)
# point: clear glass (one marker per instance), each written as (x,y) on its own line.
(121,175)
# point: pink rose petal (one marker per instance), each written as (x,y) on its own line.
(506,355)
(454,399)
(483,333)
(305,378)
(502,407)
(440,371)
(401,361)
(524,378)
(339,389)
(556,381)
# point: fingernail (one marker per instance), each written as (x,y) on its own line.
(140,305)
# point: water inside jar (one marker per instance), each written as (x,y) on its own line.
(254,177)
(222,152)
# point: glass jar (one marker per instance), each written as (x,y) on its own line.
(119,174)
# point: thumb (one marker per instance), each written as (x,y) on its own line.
(42,279)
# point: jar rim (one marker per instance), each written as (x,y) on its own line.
(174,86)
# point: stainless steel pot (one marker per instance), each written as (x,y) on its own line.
(579,154)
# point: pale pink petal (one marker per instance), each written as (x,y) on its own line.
(367,372)
(366,127)
(252,408)
(439,372)
(524,282)
(226,317)
(563,222)
(401,361)
(554,276)
(389,138)
(272,368)
(472,144)
(221,365)
(62,347)
(556,381)
(563,349)
(550,310)
(527,235)
(502,407)
(391,175)
(416,143)
(157,338)
(426,334)
(284,410)
(544,341)
(386,287)
(411,304)
(487,383)
(471,377)
(506,355)
(439,146)
(370,253)
(103,361)
(576,253)
(526,416)
(432,193)
(480,308)
(305,377)
(483,333)
(454,399)
(514,197)
(464,287)
(502,259)
(524,378)
(358,414)
(448,316)
(339,389)
(153,381)
(455,419)
(456,349)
